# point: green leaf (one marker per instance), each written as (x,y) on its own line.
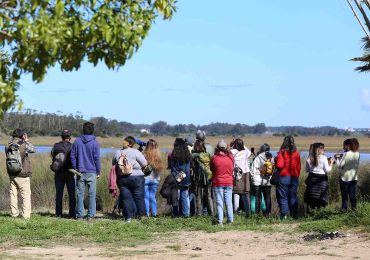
(59,8)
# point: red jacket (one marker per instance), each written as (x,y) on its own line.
(222,166)
(290,164)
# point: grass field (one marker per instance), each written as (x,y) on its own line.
(302,142)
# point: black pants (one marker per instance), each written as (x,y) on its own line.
(64,179)
(348,189)
(266,190)
(132,190)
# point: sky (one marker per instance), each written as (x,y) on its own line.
(276,62)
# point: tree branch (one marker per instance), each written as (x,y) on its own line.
(6,34)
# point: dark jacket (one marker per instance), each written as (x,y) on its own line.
(85,154)
(63,147)
(317,190)
(24,149)
(169,190)
(176,167)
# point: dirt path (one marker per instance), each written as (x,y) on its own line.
(221,245)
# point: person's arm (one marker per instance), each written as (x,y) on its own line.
(30,148)
(342,162)
(97,158)
(326,166)
(74,156)
(140,158)
(256,165)
(308,168)
(280,160)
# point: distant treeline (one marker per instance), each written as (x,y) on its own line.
(51,124)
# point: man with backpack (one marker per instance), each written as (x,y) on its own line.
(19,169)
(61,163)
(85,159)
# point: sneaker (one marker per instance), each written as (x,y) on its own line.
(128,220)
(90,220)
(220,225)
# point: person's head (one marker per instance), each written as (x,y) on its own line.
(222,147)
(180,151)
(201,135)
(264,148)
(130,140)
(66,135)
(288,144)
(316,149)
(354,145)
(268,156)
(153,155)
(238,144)
(18,133)
(189,141)
(199,147)
(346,145)
(88,128)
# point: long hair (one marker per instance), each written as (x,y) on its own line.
(354,145)
(238,144)
(181,152)
(153,155)
(288,144)
(314,153)
(199,147)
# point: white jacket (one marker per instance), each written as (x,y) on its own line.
(257,165)
(241,159)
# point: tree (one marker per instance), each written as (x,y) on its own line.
(159,128)
(38,34)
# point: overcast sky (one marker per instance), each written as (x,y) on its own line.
(277,62)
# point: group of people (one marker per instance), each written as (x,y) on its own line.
(201,181)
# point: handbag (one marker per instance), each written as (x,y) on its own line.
(274,180)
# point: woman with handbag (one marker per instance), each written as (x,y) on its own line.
(179,162)
(241,185)
(153,156)
(289,163)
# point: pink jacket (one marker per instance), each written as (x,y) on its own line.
(112,182)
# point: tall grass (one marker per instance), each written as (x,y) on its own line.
(43,189)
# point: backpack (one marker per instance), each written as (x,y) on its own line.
(59,160)
(124,167)
(267,168)
(13,159)
(204,173)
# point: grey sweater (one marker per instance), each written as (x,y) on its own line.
(134,157)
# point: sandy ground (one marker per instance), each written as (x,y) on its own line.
(221,245)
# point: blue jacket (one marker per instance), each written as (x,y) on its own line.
(85,154)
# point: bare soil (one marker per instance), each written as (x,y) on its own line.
(221,245)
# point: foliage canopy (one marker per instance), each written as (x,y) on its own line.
(38,34)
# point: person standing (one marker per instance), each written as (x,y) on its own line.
(131,183)
(348,169)
(222,165)
(61,155)
(153,156)
(242,187)
(85,158)
(289,162)
(20,171)
(318,167)
(179,162)
(261,180)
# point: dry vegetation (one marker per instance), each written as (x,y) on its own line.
(303,142)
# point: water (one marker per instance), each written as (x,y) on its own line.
(364,157)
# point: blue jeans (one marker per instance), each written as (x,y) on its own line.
(184,203)
(61,180)
(88,179)
(132,195)
(348,189)
(287,196)
(224,194)
(151,187)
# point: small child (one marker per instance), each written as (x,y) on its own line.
(268,166)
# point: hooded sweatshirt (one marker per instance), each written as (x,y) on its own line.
(85,154)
